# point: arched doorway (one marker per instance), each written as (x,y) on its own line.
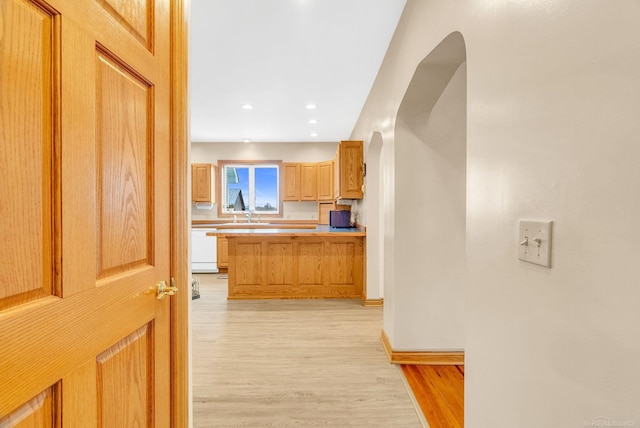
(426,254)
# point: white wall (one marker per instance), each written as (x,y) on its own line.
(286,152)
(372,215)
(553,95)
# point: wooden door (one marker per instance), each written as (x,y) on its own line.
(85,213)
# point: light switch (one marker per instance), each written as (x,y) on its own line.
(534,242)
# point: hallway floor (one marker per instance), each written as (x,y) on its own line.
(259,363)
(439,391)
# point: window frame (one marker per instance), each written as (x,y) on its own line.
(222,188)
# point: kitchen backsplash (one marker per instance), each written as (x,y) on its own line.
(291,211)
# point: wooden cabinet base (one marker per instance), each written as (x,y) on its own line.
(295,267)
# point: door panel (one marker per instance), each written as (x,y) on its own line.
(85,155)
(26,268)
(125,163)
(125,381)
(37,412)
(134,15)
(79,400)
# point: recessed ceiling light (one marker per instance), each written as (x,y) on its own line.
(313,121)
(247,106)
(310,106)
(314,134)
(246,140)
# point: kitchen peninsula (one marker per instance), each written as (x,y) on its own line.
(272,262)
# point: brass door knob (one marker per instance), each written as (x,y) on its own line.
(164,290)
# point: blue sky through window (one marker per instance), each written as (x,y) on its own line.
(266,189)
(259,182)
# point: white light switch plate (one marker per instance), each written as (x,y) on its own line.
(534,242)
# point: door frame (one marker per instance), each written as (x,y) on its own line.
(180,215)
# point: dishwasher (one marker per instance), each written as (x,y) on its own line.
(204,258)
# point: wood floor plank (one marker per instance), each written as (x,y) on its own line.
(259,363)
(439,390)
(450,386)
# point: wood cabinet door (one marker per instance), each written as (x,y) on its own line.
(201,184)
(290,181)
(222,252)
(325,181)
(308,182)
(336,174)
(85,154)
(323,211)
(351,169)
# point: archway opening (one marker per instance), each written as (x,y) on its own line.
(429,206)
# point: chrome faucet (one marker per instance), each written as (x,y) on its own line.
(248,215)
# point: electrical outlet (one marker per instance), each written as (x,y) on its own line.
(534,242)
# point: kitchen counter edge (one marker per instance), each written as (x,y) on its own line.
(321,230)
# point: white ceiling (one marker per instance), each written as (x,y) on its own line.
(279,56)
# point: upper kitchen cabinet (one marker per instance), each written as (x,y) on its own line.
(299,181)
(202,182)
(341,178)
(290,181)
(325,181)
(349,170)
(308,182)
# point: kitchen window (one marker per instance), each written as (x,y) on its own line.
(250,186)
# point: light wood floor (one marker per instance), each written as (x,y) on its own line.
(439,391)
(281,363)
